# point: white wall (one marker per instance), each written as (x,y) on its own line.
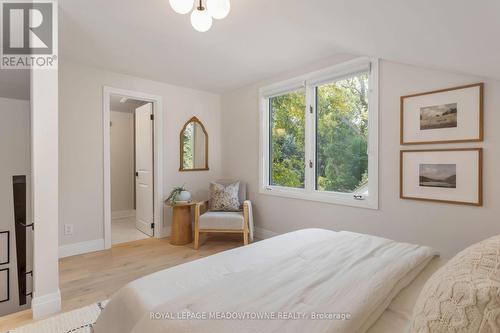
(122,161)
(448,228)
(15,83)
(15,152)
(45,188)
(81,144)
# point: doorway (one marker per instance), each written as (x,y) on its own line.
(132,164)
(16,219)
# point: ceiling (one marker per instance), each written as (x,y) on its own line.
(118,103)
(263,38)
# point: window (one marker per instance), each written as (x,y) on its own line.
(342,135)
(319,136)
(287,145)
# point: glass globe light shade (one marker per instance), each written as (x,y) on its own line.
(182,6)
(201,20)
(219,9)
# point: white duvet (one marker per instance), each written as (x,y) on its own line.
(347,278)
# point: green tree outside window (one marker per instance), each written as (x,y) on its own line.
(341,137)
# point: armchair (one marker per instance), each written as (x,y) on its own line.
(240,222)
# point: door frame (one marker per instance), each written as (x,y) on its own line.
(157,154)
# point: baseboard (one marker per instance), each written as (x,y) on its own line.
(261,233)
(46,305)
(80,248)
(121,214)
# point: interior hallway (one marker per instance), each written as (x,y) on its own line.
(123,230)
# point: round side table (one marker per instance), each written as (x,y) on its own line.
(181,230)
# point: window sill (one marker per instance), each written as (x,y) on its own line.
(369,202)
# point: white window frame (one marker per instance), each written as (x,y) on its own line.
(309,82)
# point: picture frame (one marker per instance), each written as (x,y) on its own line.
(4,247)
(453,176)
(449,115)
(4,285)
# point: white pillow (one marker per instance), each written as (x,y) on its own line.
(463,296)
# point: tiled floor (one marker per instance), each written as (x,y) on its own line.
(123,230)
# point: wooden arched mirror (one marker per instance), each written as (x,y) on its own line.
(194,146)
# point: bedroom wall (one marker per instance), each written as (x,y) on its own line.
(122,161)
(15,83)
(448,228)
(45,191)
(81,145)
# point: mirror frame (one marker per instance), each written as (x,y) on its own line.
(181,148)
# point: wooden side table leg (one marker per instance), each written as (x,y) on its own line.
(182,231)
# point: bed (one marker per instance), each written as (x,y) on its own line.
(397,317)
(350,282)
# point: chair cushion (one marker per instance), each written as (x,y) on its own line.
(464,295)
(221,220)
(224,197)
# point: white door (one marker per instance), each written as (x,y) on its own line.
(144,168)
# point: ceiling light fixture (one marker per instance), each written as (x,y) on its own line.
(201,17)
(181,6)
(219,9)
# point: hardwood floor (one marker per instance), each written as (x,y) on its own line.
(92,277)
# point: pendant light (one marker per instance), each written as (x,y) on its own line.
(202,16)
(201,20)
(182,6)
(219,9)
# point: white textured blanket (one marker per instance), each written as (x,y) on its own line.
(346,278)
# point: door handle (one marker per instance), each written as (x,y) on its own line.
(137,174)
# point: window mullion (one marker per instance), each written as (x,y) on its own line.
(266,137)
(309,139)
(313,135)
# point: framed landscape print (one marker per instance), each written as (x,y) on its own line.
(443,116)
(4,247)
(4,285)
(442,175)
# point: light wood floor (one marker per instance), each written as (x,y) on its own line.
(89,278)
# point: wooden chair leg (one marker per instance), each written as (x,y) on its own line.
(196,227)
(246,229)
(196,239)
